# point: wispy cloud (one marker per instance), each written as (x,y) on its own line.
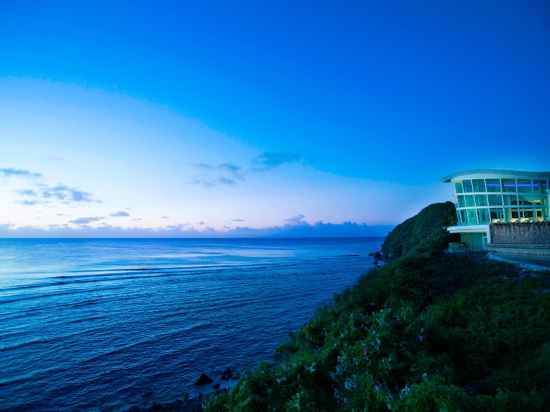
(66,194)
(44,194)
(27,202)
(271,160)
(13,172)
(86,220)
(27,192)
(210,175)
(120,213)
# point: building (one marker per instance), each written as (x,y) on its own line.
(489,201)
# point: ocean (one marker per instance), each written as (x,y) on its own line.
(106,324)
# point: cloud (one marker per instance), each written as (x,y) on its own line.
(27,192)
(13,172)
(27,202)
(238,220)
(296,220)
(45,193)
(210,175)
(271,160)
(120,213)
(296,227)
(66,194)
(86,220)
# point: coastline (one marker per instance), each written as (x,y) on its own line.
(426,331)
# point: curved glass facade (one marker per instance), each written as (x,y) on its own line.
(481,201)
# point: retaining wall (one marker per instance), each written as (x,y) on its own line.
(520,233)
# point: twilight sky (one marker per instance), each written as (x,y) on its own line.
(237,118)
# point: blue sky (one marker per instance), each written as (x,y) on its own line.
(229,116)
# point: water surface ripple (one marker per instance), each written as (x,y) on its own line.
(95,324)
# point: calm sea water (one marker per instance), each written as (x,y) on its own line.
(106,324)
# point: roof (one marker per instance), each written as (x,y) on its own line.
(496,173)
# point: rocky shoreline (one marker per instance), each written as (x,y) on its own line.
(216,385)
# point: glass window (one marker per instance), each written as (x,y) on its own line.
(495,200)
(515,214)
(458,187)
(510,200)
(461,202)
(493,185)
(471,216)
(509,185)
(527,214)
(497,215)
(469,201)
(463,219)
(524,185)
(481,200)
(539,185)
(479,185)
(483,216)
(467,184)
(531,200)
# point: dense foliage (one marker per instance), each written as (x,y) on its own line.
(422,232)
(426,332)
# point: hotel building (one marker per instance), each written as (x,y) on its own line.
(486,199)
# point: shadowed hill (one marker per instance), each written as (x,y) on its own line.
(422,232)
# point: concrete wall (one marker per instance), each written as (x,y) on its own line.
(520,233)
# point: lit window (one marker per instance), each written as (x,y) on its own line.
(531,200)
(497,215)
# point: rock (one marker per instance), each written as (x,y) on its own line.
(228,374)
(203,379)
(377,256)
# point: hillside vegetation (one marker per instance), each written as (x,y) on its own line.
(426,332)
(421,233)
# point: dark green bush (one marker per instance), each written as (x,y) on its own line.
(423,233)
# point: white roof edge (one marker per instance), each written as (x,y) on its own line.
(493,173)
